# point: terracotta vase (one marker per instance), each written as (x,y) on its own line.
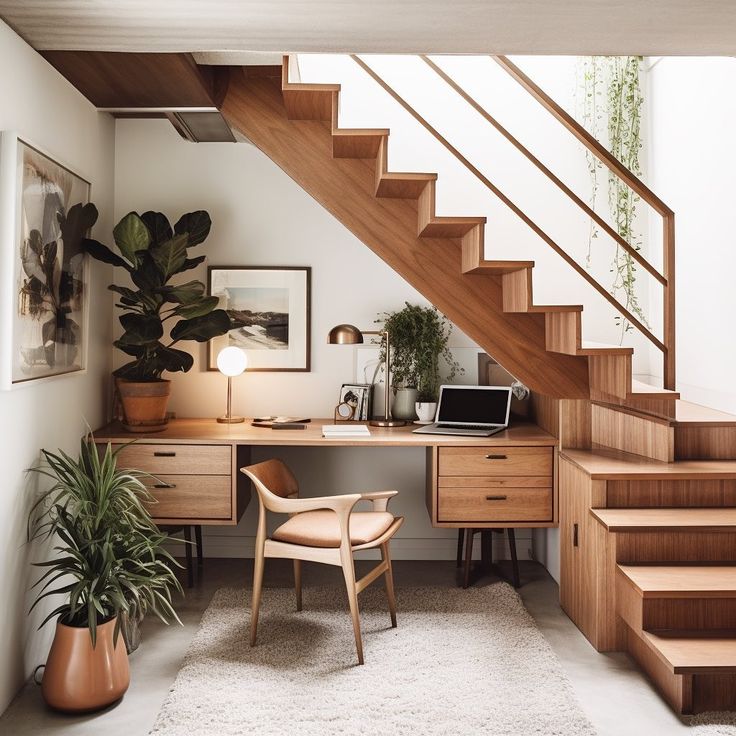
(79,678)
(144,404)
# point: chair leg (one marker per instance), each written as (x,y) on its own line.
(188,553)
(298,583)
(348,570)
(460,540)
(198,538)
(514,560)
(389,578)
(258,564)
(469,534)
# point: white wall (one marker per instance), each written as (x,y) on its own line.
(693,156)
(43,108)
(261,217)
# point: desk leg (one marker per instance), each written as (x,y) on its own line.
(486,549)
(188,553)
(198,538)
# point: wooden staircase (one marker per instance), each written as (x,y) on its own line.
(346,170)
(647,483)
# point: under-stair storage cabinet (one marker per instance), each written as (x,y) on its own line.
(583,548)
(491,486)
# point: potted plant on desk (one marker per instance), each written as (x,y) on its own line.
(108,562)
(152,254)
(419,337)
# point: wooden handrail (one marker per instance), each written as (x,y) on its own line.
(589,211)
(638,186)
(511,205)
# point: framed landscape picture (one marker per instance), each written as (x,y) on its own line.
(45,272)
(271,307)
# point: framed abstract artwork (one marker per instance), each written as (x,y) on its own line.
(43,267)
(270,308)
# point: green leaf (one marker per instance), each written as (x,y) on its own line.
(158,227)
(196,224)
(187,293)
(101,252)
(131,236)
(169,257)
(203,328)
(174,360)
(140,329)
(197,308)
(192,263)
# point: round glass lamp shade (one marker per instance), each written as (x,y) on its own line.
(345,335)
(231,361)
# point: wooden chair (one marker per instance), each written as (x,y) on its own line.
(323,529)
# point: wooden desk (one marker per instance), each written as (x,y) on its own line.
(485,482)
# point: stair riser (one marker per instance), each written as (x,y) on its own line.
(563,332)
(687,614)
(679,546)
(638,435)
(705,443)
(609,377)
(670,494)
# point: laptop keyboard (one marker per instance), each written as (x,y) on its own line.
(463,426)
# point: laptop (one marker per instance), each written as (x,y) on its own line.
(474,411)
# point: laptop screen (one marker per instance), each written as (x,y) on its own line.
(474,405)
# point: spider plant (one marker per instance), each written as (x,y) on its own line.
(109,556)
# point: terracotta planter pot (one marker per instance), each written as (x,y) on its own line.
(144,404)
(79,678)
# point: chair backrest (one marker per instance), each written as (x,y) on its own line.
(273,481)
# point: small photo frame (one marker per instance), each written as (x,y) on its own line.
(359,396)
(272,305)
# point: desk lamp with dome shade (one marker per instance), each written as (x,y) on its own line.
(231,362)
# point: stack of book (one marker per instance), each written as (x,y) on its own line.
(345,430)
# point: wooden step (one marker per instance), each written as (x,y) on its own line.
(694,672)
(431,226)
(308,101)
(702,433)
(500,267)
(402,185)
(589,347)
(601,464)
(681,581)
(687,597)
(667,520)
(357,142)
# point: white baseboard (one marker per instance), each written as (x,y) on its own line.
(238,547)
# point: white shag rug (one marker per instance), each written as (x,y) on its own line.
(460,662)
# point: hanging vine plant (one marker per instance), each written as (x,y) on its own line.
(610,101)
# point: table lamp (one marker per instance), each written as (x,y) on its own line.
(351,335)
(231,362)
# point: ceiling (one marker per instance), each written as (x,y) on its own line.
(586,27)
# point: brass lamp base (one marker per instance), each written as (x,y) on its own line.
(230,420)
(387,423)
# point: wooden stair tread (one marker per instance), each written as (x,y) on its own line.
(540,308)
(682,581)
(403,185)
(678,519)
(588,347)
(501,267)
(361,132)
(450,227)
(694,415)
(603,464)
(694,652)
(641,390)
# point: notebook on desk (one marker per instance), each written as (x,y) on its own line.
(475,411)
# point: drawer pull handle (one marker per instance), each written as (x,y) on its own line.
(496,498)
(574,535)
(496,457)
(164,454)
(165,485)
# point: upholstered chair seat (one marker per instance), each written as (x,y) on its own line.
(322,528)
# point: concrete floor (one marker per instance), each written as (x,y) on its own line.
(614,694)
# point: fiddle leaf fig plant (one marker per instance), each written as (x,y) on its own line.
(153,253)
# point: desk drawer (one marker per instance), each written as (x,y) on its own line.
(178,459)
(494,504)
(502,461)
(190,496)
